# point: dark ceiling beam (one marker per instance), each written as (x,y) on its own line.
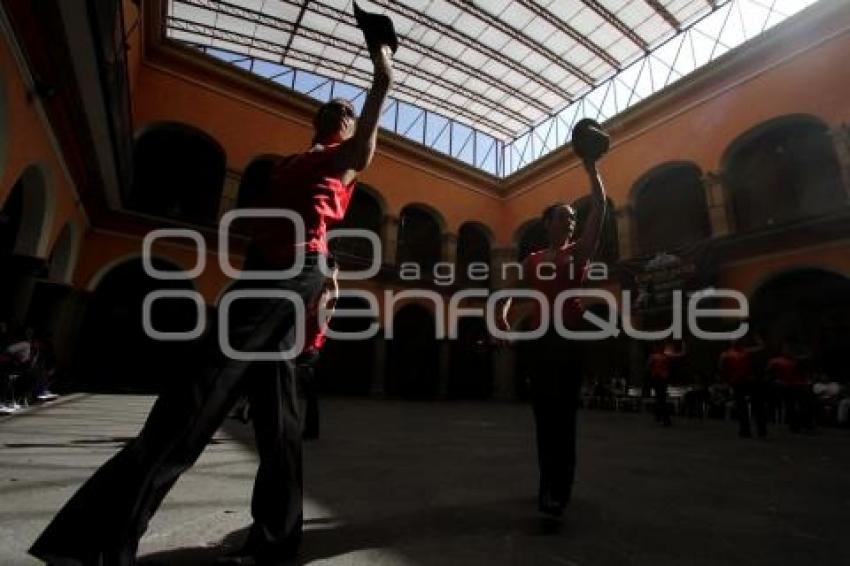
(570,31)
(273,49)
(665,13)
(470,43)
(609,17)
(295,26)
(520,37)
(260,18)
(276,48)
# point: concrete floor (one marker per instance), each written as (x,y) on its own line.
(454,483)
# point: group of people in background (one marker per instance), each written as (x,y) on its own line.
(759,385)
(27,368)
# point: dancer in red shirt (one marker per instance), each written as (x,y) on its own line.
(103,522)
(557,362)
(738,369)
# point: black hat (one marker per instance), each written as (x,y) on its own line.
(589,141)
(377,29)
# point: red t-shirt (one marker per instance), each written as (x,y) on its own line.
(786,372)
(304,184)
(736,366)
(568,274)
(659,366)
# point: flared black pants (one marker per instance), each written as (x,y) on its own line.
(103,522)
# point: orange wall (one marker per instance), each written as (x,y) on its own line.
(248,129)
(29,143)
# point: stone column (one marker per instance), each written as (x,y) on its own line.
(625,232)
(448,251)
(716,200)
(379,363)
(841,141)
(389,239)
(504,359)
(230,192)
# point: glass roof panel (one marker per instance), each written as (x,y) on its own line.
(501,67)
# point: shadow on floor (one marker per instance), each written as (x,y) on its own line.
(327,538)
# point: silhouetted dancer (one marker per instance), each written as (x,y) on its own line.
(556,364)
(104,520)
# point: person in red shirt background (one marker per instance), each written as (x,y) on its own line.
(659,366)
(739,368)
(795,388)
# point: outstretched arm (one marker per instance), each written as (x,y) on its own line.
(356,153)
(587,243)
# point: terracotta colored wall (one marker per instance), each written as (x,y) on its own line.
(28,143)
(133,27)
(749,275)
(247,130)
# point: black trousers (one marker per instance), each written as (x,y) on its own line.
(309,400)
(748,396)
(103,522)
(555,383)
(662,409)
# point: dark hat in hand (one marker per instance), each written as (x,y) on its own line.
(589,141)
(377,29)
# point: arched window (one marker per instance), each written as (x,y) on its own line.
(413,354)
(115,353)
(809,309)
(365,212)
(178,172)
(782,170)
(670,208)
(473,246)
(419,237)
(530,237)
(346,366)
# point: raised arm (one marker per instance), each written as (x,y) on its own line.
(356,153)
(589,240)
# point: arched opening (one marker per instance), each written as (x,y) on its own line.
(63,258)
(365,212)
(473,246)
(471,375)
(530,237)
(608,250)
(810,310)
(419,237)
(783,170)
(115,352)
(670,208)
(413,354)
(178,172)
(24,223)
(346,367)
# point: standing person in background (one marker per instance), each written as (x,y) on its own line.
(659,366)
(794,388)
(737,368)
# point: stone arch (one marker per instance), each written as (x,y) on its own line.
(670,208)
(782,170)
(808,307)
(474,245)
(63,257)
(413,369)
(115,352)
(178,173)
(420,236)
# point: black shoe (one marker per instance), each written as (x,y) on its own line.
(551,505)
